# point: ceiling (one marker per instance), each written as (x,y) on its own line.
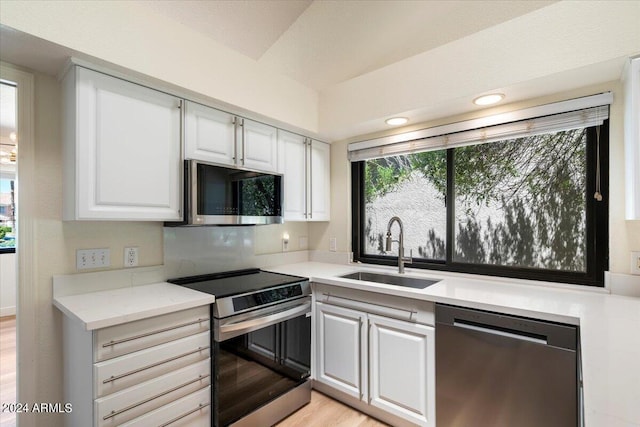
(321,43)
(358,62)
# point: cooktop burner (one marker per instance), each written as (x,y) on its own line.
(235,282)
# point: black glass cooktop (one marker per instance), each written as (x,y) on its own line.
(236,282)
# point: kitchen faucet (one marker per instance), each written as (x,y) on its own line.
(387,248)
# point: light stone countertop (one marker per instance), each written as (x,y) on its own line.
(95,310)
(609,325)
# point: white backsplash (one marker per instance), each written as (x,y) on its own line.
(190,251)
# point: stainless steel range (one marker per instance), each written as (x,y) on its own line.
(261,345)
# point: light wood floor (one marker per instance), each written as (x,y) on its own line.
(322,411)
(7,367)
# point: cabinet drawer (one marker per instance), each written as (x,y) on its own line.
(125,371)
(129,337)
(138,400)
(190,411)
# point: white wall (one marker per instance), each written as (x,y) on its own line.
(624,236)
(128,35)
(563,46)
(7,284)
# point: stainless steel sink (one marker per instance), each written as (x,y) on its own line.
(389,279)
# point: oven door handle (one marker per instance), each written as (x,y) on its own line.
(240,328)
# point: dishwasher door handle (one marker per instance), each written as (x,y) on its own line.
(489,330)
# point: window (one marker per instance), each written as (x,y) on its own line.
(520,207)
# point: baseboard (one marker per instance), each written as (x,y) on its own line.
(7,311)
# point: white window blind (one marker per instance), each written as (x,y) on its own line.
(566,115)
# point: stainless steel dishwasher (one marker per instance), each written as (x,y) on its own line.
(496,370)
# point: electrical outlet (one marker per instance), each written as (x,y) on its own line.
(92,258)
(130,257)
(635,262)
(333,245)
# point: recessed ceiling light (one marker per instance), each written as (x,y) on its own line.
(492,98)
(396,121)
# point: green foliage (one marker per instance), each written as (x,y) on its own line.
(257,196)
(537,183)
(4,230)
(383,176)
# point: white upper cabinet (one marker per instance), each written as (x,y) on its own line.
(293,165)
(319,183)
(218,137)
(305,165)
(209,134)
(121,150)
(632,138)
(258,146)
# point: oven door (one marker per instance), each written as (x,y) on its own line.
(259,356)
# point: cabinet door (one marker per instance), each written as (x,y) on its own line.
(126,151)
(293,165)
(259,146)
(319,189)
(402,363)
(341,359)
(209,134)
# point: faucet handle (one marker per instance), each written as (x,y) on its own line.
(410,259)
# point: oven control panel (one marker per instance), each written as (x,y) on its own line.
(269,296)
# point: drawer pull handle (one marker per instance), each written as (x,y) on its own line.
(135,405)
(123,340)
(179,417)
(330,296)
(135,371)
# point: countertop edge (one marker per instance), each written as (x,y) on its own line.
(188,298)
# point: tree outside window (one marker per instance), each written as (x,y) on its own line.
(519,203)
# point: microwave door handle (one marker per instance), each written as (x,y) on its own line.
(240,328)
(193,193)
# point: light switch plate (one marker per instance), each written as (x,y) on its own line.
(92,258)
(333,245)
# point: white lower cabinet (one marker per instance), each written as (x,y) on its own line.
(157,371)
(381,365)
(402,368)
(193,410)
(342,344)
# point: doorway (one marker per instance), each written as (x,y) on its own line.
(25,330)
(8,234)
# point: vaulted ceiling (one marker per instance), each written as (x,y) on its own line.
(335,68)
(321,43)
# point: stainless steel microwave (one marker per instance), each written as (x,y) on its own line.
(217,195)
